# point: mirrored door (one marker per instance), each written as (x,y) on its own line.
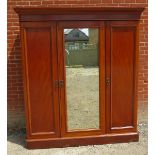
(82,97)
(82,78)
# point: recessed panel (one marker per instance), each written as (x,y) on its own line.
(38,41)
(122,77)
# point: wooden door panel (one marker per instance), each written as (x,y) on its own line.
(122,61)
(65,132)
(122,77)
(42,98)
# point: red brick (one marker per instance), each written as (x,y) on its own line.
(106,1)
(95,1)
(118,1)
(22,3)
(78,2)
(35,3)
(47,2)
(141,1)
(12,3)
(129,1)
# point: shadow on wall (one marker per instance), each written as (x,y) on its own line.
(15,98)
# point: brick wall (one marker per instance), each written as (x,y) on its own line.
(16,115)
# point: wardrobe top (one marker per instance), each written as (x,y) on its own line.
(78,13)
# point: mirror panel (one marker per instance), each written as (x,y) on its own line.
(82,78)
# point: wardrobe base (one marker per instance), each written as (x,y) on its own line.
(81,141)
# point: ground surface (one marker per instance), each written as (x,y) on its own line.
(85,84)
(82,97)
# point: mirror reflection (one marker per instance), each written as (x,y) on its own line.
(82,78)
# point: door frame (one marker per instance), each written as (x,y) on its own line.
(62,76)
(54,74)
(131,26)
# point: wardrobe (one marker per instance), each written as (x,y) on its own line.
(80,73)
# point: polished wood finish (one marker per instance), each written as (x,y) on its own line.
(72,14)
(43,64)
(84,140)
(40,68)
(122,41)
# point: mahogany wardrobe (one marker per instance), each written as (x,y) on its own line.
(80,70)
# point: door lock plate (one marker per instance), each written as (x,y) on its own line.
(108,81)
(59,83)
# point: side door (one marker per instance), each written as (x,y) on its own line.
(40,76)
(121,60)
